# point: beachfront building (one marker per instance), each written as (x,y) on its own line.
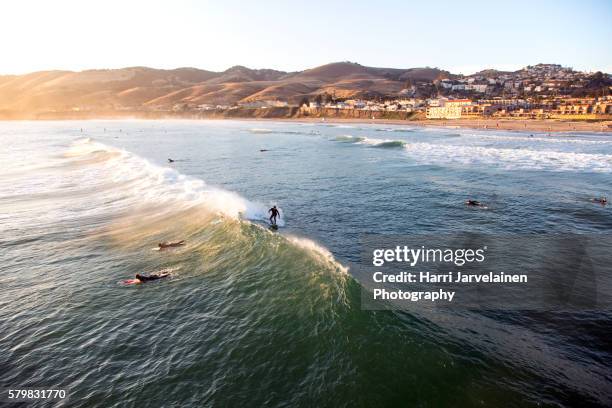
(447,109)
(584,106)
(443,112)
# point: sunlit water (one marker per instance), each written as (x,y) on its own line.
(252,317)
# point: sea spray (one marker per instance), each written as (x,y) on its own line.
(163,184)
(321,251)
(510,158)
(371,142)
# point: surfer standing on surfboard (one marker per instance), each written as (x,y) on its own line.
(275,214)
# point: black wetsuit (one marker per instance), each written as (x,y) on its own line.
(149,278)
(275,214)
(473,202)
(163,245)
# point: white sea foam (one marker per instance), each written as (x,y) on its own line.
(164,185)
(381,142)
(321,251)
(373,142)
(509,158)
(521,137)
(260,130)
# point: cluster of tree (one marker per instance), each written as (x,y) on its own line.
(321,99)
(597,84)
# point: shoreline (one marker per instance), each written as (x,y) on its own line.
(535,125)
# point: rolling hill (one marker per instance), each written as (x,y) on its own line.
(138,88)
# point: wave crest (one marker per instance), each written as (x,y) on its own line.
(164,185)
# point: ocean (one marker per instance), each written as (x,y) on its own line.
(254,317)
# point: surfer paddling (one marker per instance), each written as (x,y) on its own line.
(474,203)
(274,213)
(163,245)
(143,278)
(600,200)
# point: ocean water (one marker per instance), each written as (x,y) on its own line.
(252,317)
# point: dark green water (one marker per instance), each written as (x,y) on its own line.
(251,317)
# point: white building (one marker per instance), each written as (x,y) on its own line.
(450,109)
(476,88)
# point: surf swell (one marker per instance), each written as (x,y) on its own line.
(384,144)
(98,211)
(516,158)
(155,198)
(348,139)
(371,142)
(162,185)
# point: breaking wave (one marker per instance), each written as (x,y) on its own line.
(538,137)
(384,144)
(162,185)
(144,185)
(371,142)
(349,139)
(509,158)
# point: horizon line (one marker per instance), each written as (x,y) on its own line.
(289,72)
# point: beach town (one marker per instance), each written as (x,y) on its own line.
(547,97)
(543,91)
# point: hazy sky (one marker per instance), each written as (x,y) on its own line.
(461,36)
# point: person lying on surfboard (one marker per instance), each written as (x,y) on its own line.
(600,200)
(275,214)
(163,245)
(143,278)
(474,203)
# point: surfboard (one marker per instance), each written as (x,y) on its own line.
(131,281)
(274,227)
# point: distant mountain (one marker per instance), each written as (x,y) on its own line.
(239,73)
(142,87)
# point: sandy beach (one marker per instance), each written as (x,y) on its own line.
(535,125)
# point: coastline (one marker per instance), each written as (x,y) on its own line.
(535,125)
(526,125)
